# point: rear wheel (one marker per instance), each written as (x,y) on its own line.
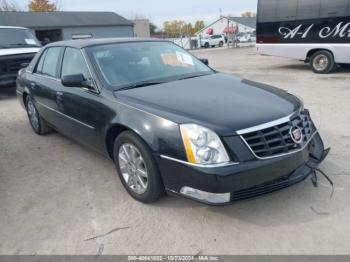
(137,168)
(322,62)
(206,45)
(221,44)
(38,124)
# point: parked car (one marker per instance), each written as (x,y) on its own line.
(168,121)
(212,41)
(17,48)
(244,37)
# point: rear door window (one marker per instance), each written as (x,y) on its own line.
(50,64)
(39,67)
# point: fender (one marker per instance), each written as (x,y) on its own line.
(161,135)
(22,91)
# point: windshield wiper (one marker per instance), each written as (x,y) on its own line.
(142,84)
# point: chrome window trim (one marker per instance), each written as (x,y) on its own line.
(280,155)
(71,118)
(199,165)
(90,72)
(267,125)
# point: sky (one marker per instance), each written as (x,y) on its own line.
(159,11)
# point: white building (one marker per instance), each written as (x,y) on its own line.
(226,25)
(141,28)
(57,26)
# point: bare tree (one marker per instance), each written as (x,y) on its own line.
(58,4)
(8,6)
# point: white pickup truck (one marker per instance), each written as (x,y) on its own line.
(17,48)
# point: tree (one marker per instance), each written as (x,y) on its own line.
(178,28)
(187,29)
(6,6)
(173,28)
(152,28)
(248,14)
(42,6)
(199,25)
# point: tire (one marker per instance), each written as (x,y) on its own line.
(155,188)
(38,124)
(206,45)
(221,44)
(322,62)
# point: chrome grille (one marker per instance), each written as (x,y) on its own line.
(276,140)
(12,64)
(3,67)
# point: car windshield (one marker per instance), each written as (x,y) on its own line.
(127,65)
(17,37)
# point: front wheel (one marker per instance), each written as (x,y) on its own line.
(137,168)
(322,62)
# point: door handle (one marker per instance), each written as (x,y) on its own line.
(33,85)
(59,100)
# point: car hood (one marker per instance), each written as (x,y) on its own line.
(17,51)
(223,103)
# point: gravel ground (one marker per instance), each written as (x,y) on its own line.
(58,197)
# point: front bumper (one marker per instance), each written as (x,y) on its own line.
(240,181)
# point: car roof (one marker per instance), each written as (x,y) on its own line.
(82,43)
(12,27)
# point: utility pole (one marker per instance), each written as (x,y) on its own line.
(236,33)
(228,33)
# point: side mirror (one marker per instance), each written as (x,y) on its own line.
(77,80)
(204,61)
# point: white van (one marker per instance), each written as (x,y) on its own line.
(314,31)
(18,46)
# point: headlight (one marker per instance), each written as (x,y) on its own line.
(202,145)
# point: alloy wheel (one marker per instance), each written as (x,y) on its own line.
(133,168)
(33,115)
(321,62)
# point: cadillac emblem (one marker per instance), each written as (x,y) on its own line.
(296,134)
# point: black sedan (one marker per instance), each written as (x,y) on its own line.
(169,122)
